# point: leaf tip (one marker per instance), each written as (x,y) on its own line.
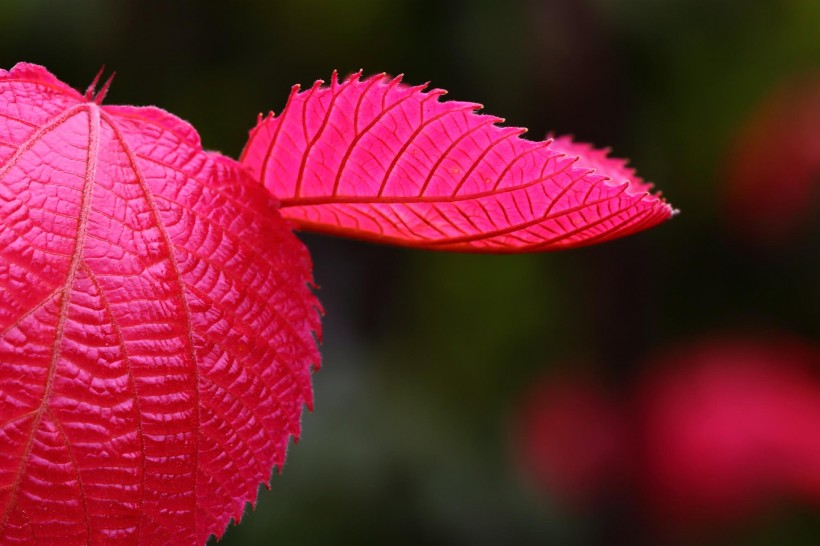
(100,97)
(438,93)
(89,92)
(317,85)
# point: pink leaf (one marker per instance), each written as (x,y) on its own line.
(379,160)
(156,324)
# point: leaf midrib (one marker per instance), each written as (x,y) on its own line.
(189,328)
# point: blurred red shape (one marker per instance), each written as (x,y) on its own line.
(729,426)
(773,169)
(715,431)
(571,439)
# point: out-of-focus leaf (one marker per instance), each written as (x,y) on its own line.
(730,425)
(773,172)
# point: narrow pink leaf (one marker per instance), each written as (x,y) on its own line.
(379,160)
(156,324)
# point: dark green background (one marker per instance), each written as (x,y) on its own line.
(425,354)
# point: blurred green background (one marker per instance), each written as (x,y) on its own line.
(426,354)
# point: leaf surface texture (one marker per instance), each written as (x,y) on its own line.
(156,324)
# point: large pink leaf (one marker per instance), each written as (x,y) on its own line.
(379,160)
(156,324)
